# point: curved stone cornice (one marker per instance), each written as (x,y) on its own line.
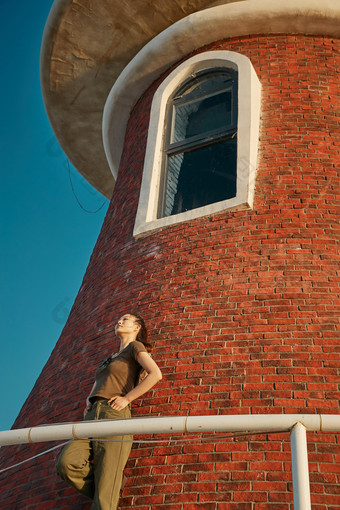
(85,50)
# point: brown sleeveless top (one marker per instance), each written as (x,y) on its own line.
(118,374)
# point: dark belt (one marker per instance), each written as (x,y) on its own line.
(94,400)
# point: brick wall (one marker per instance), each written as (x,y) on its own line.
(242,307)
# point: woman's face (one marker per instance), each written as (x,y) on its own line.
(127,325)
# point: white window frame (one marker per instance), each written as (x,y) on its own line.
(249,102)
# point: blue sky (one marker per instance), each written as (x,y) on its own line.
(46,237)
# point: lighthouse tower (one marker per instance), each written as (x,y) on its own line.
(213,128)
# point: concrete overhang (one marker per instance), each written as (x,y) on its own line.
(87,46)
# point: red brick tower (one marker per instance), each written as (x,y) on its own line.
(241,292)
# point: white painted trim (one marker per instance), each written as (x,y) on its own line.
(196,30)
(249,97)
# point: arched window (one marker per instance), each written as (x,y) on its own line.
(202,143)
(200,153)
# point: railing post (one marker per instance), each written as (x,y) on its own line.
(298,441)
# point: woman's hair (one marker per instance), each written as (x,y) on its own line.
(142,335)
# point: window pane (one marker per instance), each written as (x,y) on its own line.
(205,84)
(210,114)
(200,177)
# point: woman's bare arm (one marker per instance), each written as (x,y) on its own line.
(88,403)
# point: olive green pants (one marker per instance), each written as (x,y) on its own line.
(95,468)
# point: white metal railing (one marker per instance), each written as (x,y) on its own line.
(297,424)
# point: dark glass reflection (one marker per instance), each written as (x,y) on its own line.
(201,177)
(208,115)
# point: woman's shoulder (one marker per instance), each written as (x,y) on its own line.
(137,347)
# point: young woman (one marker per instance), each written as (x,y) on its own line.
(95,468)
